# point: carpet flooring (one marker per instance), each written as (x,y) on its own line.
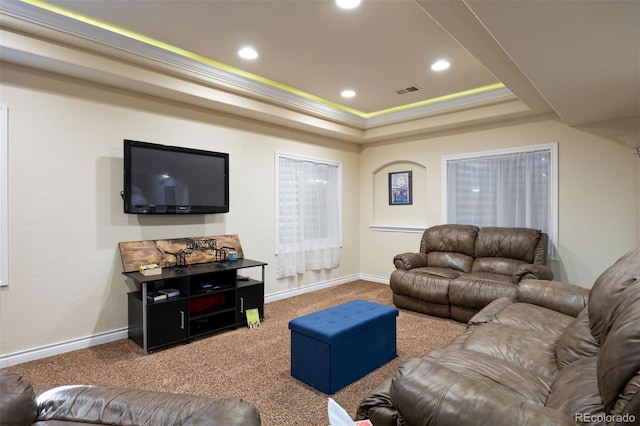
(248,363)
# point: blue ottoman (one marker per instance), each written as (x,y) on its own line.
(336,346)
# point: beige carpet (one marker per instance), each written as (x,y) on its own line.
(249,363)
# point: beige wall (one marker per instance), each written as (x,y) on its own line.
(65,210)
(598,194)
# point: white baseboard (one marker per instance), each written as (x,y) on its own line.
(308,288)
(319,286)
(375,279)
(63,347)
(111,336)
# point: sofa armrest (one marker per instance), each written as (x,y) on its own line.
(104,405)
(562,297)
(535,272)
(377,407)
(408,261)
(18,401)
(489,312)
(425,392)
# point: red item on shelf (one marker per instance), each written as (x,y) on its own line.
(205,302)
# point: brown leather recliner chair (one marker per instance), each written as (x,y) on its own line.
(459,269)
(553,354)
(73,405)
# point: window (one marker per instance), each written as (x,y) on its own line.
(515,188)
(308,214)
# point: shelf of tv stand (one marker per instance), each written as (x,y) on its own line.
(211,311)
(196,269)
(197,311)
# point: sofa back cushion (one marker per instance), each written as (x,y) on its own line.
(450,238)
(576,342)
(450,246)
(511,243)
(614,316)
(575,390)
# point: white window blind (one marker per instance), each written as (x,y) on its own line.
(308,214)
(515,188)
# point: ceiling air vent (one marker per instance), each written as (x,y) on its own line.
(409,89)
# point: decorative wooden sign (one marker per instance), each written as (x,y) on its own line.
(167,253)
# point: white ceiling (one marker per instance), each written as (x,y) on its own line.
(579,59)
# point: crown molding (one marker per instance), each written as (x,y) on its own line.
(78,29)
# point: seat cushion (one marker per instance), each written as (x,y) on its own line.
(448,273)
(527,316)
(498,265)
(428,393)
(515,346)
(476,290)
(494,372)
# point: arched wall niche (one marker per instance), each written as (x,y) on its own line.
(399,216)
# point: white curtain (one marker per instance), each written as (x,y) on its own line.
(308,215)
(503,190)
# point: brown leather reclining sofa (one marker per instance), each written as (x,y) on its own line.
(84,405)
(461,268)
(553,354)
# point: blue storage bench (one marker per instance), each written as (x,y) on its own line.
(337,346)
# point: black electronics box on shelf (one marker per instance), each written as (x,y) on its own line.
(170,292)
(205,288)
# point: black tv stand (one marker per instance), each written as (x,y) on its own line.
(210,299)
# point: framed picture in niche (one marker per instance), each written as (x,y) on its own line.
(400,188)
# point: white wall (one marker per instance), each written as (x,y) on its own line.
(65,210)
(598,194)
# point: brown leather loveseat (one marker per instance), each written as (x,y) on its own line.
(83,405)
(461,268)
(553,354)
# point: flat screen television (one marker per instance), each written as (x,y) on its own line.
(160,179)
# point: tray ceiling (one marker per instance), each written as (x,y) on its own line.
(508,59)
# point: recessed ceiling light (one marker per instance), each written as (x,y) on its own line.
(248,52)
(348,4)
(440,65)
(348,93)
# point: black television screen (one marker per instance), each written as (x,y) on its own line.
(160,179)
